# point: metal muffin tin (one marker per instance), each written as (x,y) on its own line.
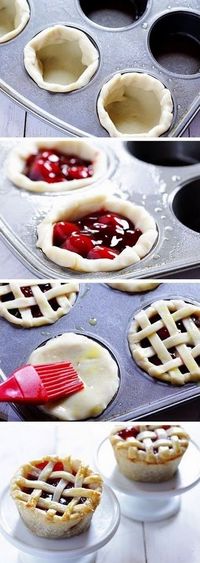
(127,47)
(105,314)
(163,190)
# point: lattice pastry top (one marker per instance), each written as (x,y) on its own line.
(60,492)
(165,341)
(150,443)
(30,304)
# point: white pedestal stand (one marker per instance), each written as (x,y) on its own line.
(149,502)
(84,547)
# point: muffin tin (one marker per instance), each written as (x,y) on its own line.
(168,189)
(105,314)
(136,43)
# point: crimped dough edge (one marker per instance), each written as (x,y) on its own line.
(72,209)
(17,159)
(147,83)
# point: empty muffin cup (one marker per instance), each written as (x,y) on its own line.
(14,15)
(186,205)
(166,153)
(135,104)
(61,59)
(174,42)
(114,13)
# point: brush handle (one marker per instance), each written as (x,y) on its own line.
(23,387)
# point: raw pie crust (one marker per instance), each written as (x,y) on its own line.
(14,15)
(51,518)
(61,59)
(183,367)
(136,105)
(18,156)
(134,286)
(73,209)
(94,364)
(64,293)
(153,455)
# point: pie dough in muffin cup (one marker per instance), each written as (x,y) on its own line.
(75,208)
(134,286)
(61,59)
(135,105)
(14,15)
(149,452)
(56,497)
(95,366)
(164,340)
(17,162)
(30,304)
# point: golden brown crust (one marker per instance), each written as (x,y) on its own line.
(48,517)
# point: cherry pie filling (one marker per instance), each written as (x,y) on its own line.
(51,165)
(54,482)
(102,234)
(133,432)
(27,292)
(163,333)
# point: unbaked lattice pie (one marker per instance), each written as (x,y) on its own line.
(165,341)
(56,497)
(30,304)
(149,452)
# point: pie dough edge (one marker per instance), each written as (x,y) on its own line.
(24,11)
(89,49)
(163,94)
(43,320)
(18,155)
(109,391)
(70,210)
(55,526)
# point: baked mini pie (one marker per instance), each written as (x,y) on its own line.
(56,497)
(135,104)
(14,15)
(94,364)
(61,59)
(149,452)
(97,233)
(31,303)
(134,286)
(55,165)
(164,340)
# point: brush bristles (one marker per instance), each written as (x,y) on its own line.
(59,379)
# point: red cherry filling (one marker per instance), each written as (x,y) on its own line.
(58,466)
(100,235)
(79,243)
(129,433)
(163,334)
(102,252)
(51,165)
(27,292)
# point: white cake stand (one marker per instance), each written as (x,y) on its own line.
(83,547)
(149,502)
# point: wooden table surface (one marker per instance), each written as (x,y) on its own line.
(176,540)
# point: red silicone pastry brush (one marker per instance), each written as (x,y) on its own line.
(42,383)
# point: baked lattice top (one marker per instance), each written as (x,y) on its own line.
(165,341)
(151,442)
(60,487)
(31,304)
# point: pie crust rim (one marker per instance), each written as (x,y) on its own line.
(93,202)
(18,155)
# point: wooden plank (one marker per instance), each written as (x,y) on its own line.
(37,128)
(12,118)
(195,126)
